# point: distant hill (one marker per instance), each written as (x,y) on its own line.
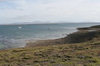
(82,36)
(97,27)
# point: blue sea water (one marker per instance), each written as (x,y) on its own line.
(13,36)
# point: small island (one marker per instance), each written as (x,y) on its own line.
(81,48)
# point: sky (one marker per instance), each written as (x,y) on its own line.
(40,11)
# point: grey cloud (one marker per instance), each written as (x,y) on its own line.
(52,10)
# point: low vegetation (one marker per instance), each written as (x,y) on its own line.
(82,36)
(81,54)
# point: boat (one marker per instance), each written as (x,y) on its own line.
(20,27)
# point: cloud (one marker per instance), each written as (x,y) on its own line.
(49,10)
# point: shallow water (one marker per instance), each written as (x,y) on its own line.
(12,36)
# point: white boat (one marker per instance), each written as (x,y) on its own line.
(20,27)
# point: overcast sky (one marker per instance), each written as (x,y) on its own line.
(18,11)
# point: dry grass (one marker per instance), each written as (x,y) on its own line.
(81,54)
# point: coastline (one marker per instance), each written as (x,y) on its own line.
(13,37)
(84,32)
(58,41)
(46,53)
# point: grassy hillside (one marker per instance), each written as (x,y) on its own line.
(82,36)
(81,54)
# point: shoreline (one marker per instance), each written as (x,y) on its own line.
(79,48)
(53,41)
(44,42)
(69,39)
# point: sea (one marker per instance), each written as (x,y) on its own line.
(17,35)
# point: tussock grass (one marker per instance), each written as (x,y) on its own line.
(81,54)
